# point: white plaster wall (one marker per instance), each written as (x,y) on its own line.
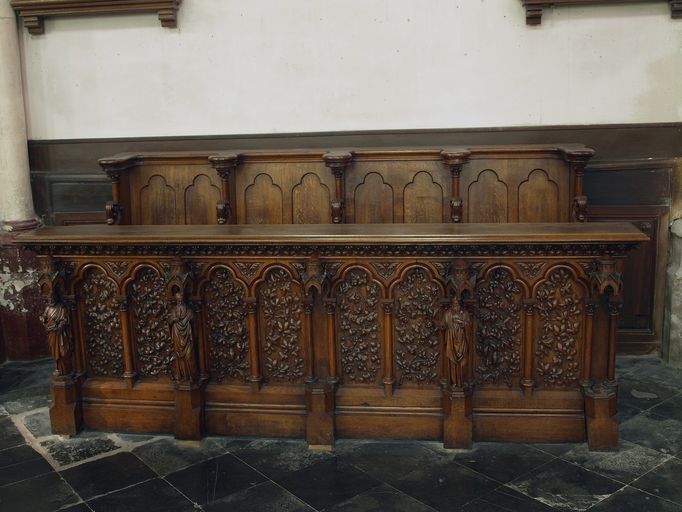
(258,66)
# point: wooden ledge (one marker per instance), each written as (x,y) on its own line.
(34,12)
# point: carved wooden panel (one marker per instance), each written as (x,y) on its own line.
(418,340)
(311,201)
(423,199)
(373,200)
(263,201)
(359,328)
(156,203)
(281,307)
(538,198)
(101,325)
(487,199)
(200,200)
(498,334)
(225,314)
(558,337)
(150,325)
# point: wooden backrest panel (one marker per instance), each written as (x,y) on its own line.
(387,186)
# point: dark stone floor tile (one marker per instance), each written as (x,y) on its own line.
(663,481)
(264,497)
(565,486)
(27,403)
(502,462)
(81,507)
(232,444)
(66,451)
(214,479)
(629,462)
(445,485)
(278,457)
(9,435)
(625,364)
(671,408)
(327,483)
(151,496)
(654,431)
(22,453)
(386,461)
(135,438)
(556,449)
(24,471)
(45,493)
(102,476)
(38,424)
(16,377)
(632,500)
(642,394)
(505,499)
(380,499)
(166,456)
(626,412)
(654,370)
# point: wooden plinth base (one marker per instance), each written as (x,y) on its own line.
(600,413)
(189,416)
(66,414)
(319,398)
(458,427)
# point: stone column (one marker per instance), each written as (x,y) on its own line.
(20,303)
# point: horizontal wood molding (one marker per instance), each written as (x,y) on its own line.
(34,12)
(535,8)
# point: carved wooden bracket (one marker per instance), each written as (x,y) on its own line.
(337,161)
(113,167)
(455,160)
(224,164)
(34,12)
(606,278)
(534,8)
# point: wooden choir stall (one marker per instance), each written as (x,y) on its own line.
(450,299)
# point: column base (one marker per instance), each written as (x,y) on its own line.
(66,415)
(320,425)
(189,413)
(458,425)
(600,415)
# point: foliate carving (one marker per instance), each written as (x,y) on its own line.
(226,326)
(442,268)
(102,325)
(558,305)
(580,208)
(359,345)
(113,212)
(55,318)
(118,268)
(248,268)
(148,301)
(282,306)
(182,338)
(531,268)
(332,269)
(499,302)
(417,340)
(386,270)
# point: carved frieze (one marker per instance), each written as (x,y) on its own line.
(498,336)
(385,270)
(358,323)
(559,308)
(282,305)
(417,340)
(102,325)
(226,327)
(531,269)
(149,306)
(248,268)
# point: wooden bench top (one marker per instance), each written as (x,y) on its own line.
(333,234)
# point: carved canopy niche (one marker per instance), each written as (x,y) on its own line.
(534,8)
(34,12)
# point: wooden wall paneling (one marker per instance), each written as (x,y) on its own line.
(201,198)
(156,202)
(487,197)
(423,200)
(538,198)
(641,319)
(311,201)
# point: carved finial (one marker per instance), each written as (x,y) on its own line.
(314,276)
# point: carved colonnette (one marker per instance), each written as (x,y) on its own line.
(451,332)
(363,186)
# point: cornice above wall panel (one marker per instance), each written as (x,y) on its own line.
(534,8)
(34,12)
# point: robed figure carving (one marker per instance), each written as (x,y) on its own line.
(55,318)
(456,323)
(180,320)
